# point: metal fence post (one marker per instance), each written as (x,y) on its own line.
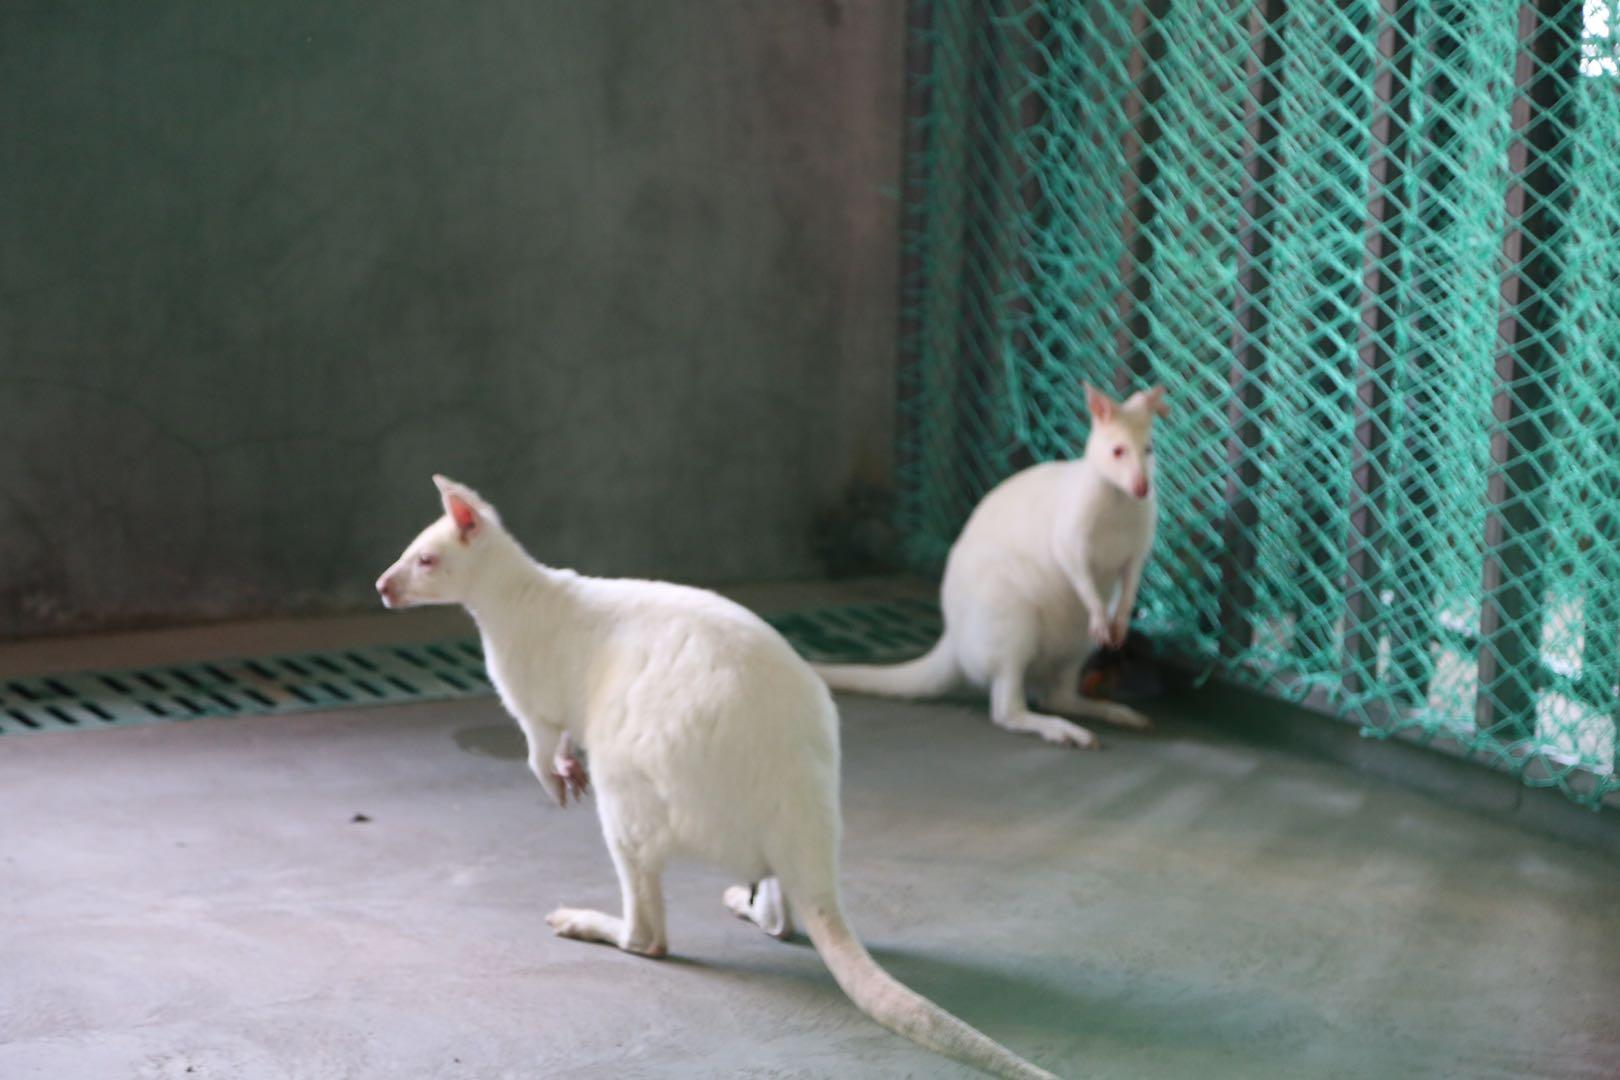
(1141,114)
(1527,366)
(1250,325)
(1384,279)
(914,181)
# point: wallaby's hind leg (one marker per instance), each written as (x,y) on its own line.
(1062,695)
(764,906)
(1010,710)
(641,929)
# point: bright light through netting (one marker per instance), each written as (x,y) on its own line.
(1374,249)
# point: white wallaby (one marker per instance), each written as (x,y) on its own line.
(705,735)
(1029,583)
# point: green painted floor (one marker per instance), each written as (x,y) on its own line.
(198,900)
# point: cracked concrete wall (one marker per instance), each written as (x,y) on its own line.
(628,267)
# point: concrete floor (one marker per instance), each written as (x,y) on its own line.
(198,900)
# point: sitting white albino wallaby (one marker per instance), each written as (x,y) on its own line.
(1028,584)
(705,734)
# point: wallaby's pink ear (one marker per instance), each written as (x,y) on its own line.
(1098,404)
(464,507)
(1154,400)
(465,516)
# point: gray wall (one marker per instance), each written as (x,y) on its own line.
(627,267)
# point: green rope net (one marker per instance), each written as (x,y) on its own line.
(1373,248)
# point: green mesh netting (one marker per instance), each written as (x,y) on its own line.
(1373,248)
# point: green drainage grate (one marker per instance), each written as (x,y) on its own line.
(862,633)
(345,678)
(382,674)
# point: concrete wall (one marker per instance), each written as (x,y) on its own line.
(628,266)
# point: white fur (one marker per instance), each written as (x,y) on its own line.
(706,735)
(1045,570)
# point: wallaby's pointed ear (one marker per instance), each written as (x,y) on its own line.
(463,505)
(465,516)
(1152,400)
(1098,404)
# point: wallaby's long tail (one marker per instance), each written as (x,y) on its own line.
(901,1009)
(931,674)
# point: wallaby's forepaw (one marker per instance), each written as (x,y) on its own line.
(1101,632)
(554,785)
(572,779)
(1118,631)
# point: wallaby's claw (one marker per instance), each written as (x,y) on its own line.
(1118,632)
(575,780)
(1102,634)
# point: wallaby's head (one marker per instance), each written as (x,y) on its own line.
(1120,446)
(439,565)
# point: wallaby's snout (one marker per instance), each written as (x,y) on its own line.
(1141,488)
(440,564)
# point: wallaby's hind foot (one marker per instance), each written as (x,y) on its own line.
(764,906)
(1068,701)
(1054,729)
(1126,717)
(583,924)
(1010,711)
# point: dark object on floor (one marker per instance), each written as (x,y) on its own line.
(359,819)
(1127,674)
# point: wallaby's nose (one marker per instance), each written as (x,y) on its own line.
(385,589)
(1140,488)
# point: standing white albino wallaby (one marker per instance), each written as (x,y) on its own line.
(705,734)
(1028,584)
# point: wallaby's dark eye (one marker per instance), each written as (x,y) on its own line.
(427,560)
(1119,451)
